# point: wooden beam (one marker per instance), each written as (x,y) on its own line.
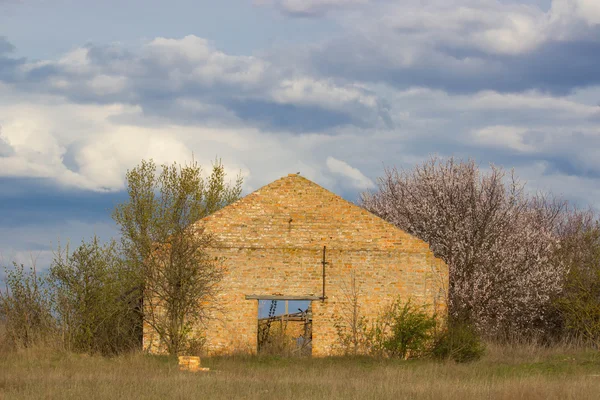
(274,297)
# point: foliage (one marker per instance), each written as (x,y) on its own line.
(459,342)
(497,241)
(410,330)
(165,250)
(579,304)
(92,299)
(25,307)
(402,330)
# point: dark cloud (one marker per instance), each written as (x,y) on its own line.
(556,67)
(35,217)
(8,65)
(27,201)
(6,46)
(289,117)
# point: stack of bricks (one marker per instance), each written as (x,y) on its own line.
(190,363)
(271,243)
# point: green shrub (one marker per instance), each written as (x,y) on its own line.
(93,299)
(25,308)
(411,330)
(579,303)
(459,342)
(402,330)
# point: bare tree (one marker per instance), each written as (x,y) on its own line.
(496,240)
(351,324)
(181,280)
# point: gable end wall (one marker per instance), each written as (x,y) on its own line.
(272,244)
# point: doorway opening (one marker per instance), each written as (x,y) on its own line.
(284,327)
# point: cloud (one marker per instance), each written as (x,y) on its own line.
(5,46)
(164,72)
(310,8)
(39,242)
(8,65)
(586,10)
(357,179)
(465,46)
(90,146)
(508,82)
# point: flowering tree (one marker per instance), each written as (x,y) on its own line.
(497,241)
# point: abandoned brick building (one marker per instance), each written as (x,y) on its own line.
(294,240)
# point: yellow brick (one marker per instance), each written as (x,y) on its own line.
(266,253)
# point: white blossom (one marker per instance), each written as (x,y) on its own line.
(497,241)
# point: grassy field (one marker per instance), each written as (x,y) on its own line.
(523,372)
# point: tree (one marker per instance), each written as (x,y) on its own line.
(579,304)
(496,240)
(164,251)
(92,299)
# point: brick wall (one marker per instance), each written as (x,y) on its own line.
(272,243)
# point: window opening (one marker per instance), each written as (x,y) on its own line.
(285,327)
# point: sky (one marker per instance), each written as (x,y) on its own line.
(333,89)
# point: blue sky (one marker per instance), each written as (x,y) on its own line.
(335,89)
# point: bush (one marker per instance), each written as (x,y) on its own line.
(459,342)
(579,303)
(411,331)
(25,308)
(93,299)
(403,330)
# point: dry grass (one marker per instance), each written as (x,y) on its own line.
(518,372)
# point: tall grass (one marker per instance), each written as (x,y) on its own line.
(525,371)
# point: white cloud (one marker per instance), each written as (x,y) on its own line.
(503,137)
(311,7)
(106,84)
(321,92)
(105,157)
(169,99)
(193,58)
(565,11)
(590,11)
(357,179)
(188,70)
(530,100)
(489,26)
(41,130)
